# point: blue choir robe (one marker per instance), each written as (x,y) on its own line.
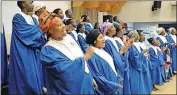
(162,41)
(82,41)
(156,63)
(136,69)
(119,60)
(173,51)
(4,64)
(24,72)
(74,36)
(103,70)
(146,72)
(126,84)
(88,27)
(65,74)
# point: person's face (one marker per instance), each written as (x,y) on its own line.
(70,14)
(156,42)
(100,41)
(60,14)
(112,31)
(28,5)
(88,19)
(58,31)
(82,29)
(142,38)
(173,32)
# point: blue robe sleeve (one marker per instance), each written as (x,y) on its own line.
(118,44)
(4,64)
(66,74)
(135,58)
(117,57)
(30,35)
(103,83)
(154,60)
(82,43)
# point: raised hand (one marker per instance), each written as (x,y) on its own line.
(88,53)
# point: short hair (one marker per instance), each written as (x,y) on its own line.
(85,18)
(56,10)
(69,21)
(67,11)
(115,17)
(19,4)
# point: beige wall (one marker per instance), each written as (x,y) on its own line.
(140,11)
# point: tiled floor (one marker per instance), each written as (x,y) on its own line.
(167,88)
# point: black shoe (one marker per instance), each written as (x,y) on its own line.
(155,87)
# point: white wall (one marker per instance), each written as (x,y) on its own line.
(9,8)
(140,11)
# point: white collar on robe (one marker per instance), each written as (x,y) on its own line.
(173,37)
(142,45)
(137,45)
(155,49)
(104,55)
(35,16)
(82,34)
(69,48)
(119,40)
(89,24)
(163,38)
(75,34)
(113,41)
(28,18)
(2,29)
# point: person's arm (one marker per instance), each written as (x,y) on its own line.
(29,35)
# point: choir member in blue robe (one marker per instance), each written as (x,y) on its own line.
(136,65)
(66,67)
(87,23)
(156,62)
(4,63)
(171,38)
(111,47)
(81,37)
(120,44)
(163,46)
(70,25)
(102,66)
(26,40)
(146,62)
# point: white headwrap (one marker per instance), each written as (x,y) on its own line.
(133,34)
(37,5)
(170,30)
(159,30)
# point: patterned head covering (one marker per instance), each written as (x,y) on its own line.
(159,30)
(133,34)
(105,27)
(170,30)
(46,21)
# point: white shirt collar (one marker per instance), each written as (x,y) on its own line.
(163,38)
(173,37)
(28,18)
(113,41)
(137,45)
(119,40)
